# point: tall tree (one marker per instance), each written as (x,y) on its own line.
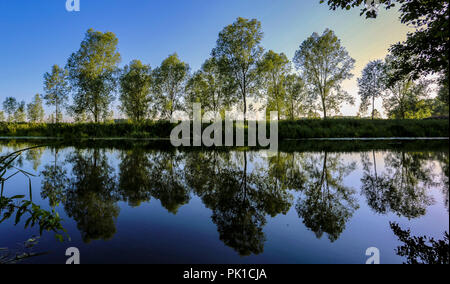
(442,99)
(92,73)
(274,67)
(35,110)
(169,85)
(20,114)
(406,98)
(9,106)
(325,64)
(211,88)
(297,99)
(371,85)
(238,51)
(57,89)
(135,84)
(426,49)
(2,116)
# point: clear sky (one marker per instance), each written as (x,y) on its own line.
(35,34)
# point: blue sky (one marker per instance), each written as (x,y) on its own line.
(35,34)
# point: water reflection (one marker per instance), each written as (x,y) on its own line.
(326,204)
(242,189)
(91,196)
(403,185)
(239,198)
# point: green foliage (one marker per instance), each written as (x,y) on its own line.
(273,69)
(238,52)
(325,64)
(135,84)
(47,221)
(56,90)
(371,85)
(211,88)
(422,250)
(35,110)
(425,50)
(169,84)
(20,114)
(9,106)
(18,207)
(289,129)
(92,74)
(296,97)
(407,99)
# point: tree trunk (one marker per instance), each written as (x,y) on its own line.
(245,110)
(373,107)
(324,108)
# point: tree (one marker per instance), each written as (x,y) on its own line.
(35,110)
(325,64)
(169,85)
(407,99)
(2,116)
(426,49)
(211,88)
(56,89)
(92,74)
(238,52)
(135,84)
(20,114)
(296,96)
(10,106)
(371,85)
(274,69)
(442,99)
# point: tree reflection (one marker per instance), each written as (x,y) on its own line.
(239,199)
(443,159)
(401,189)
(135,181)
(54,182)
(326,203)
(166,173)
(422,250)
(34,156)
(90,196)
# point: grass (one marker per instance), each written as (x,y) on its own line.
(301,129)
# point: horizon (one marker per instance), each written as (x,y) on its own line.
(25,23)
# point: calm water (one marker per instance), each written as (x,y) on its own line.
(124,202)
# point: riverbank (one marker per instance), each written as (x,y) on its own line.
(300,129)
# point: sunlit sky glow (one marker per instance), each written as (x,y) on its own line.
(35,34)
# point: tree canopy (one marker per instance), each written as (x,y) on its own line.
(169,85)
(57,90)
(238,51)
(92,74)
(324,64)
(135,90)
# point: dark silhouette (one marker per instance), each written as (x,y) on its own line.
(422,250)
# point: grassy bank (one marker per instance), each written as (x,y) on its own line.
(332,128)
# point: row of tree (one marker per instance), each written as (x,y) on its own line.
(239,75)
